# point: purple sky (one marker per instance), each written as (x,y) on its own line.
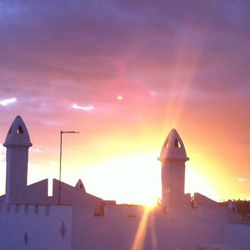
(63,64)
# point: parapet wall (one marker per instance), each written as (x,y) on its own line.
(24,209)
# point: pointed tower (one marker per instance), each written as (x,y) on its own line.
(17,143)
(79,185)
(173,157)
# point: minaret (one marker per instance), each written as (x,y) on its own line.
(173,157)
(17,143)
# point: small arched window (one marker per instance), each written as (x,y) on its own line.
(20,130)
(177,143)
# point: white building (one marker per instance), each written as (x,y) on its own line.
(72,219)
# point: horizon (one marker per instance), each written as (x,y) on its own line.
(149,165)
(124,75)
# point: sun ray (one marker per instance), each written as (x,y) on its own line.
(153,233)
(138,243)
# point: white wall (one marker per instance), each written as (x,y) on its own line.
(237,235)
(125,227)
(121,228)
(41,225)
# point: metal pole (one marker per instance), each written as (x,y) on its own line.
(60,170)
(60,162)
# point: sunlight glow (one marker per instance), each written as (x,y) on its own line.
(197,183)
(119,98)
(132,179)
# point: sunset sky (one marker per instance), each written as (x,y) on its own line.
(124,73)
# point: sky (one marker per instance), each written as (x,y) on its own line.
(123,74)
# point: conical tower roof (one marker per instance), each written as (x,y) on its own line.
(18,134)
(173,148)
(79,185)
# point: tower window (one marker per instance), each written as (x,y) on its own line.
(177,143)
(20,130)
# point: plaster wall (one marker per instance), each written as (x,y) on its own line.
(237,235)
(25,227)
(131,227)
(203,201)
(28,227)
(16,172)
(73,196)
(37,193)
(173,183)
(112,231)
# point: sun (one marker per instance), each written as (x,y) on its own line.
(133,179)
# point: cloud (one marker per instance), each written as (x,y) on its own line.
(85,108)
(37,150)
(6,102)
(189,52)
(82,46)
(242,179)
(86,41)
